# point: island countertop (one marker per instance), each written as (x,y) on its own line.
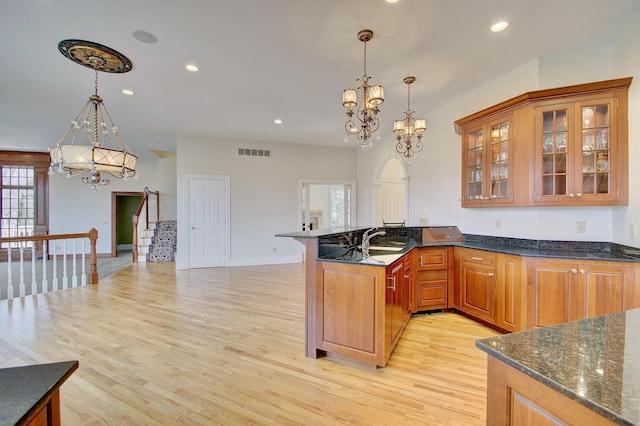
(27,389)
(595,361)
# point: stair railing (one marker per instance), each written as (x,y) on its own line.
(148,211)
(38,251)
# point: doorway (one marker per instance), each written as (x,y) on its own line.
(326,204)
(391,204)
(123,206)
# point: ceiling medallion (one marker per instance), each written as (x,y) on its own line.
(95,56)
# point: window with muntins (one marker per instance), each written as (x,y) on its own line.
(18,201)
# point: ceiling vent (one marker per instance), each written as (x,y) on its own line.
(254,152)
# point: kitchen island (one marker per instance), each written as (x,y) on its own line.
(582,372)
(358,305)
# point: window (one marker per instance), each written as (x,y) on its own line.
(18,201)
(24,185)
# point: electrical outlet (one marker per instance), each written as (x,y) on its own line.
(498,223)
(581,227)
(632,230)
(275,250)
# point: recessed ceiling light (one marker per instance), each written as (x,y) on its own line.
(128,92)
(278,121)
(499,26)
(192,68)
(391,1)
(145,37)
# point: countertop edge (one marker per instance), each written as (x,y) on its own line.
(597,408)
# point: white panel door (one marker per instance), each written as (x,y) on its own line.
(207,222)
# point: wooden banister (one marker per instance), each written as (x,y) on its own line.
(135,220)
(92,235)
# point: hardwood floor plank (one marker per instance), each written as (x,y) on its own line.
(226,346)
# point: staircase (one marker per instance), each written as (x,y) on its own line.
(163,242)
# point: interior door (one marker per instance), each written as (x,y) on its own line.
(207,222)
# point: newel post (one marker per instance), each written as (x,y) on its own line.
(93,237)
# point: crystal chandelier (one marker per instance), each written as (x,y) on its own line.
(370,98)
(92,144)
(409,128)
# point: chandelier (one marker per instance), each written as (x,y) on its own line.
(370,98)
(92,143)
(409,128)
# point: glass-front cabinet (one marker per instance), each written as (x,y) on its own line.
(575,145)
(566,146)
(487,154)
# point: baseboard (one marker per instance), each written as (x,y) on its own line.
(254,261)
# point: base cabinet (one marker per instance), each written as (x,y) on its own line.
(362,310)
(513,398)
(431,279)
(488,286)
(561,291)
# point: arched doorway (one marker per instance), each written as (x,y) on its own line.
(391,192)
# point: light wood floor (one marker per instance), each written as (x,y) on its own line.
(225,346)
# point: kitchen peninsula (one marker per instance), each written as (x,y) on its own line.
(358,305)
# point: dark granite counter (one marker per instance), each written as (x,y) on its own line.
(25,390)
(341,245)
(595,362)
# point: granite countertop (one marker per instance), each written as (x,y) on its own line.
(338,244)
(595,361)
(25,390)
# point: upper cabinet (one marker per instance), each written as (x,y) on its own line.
(555,147)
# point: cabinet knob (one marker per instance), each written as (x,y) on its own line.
(582,271)
(575,271)
(490,274)
(579,194)
(572,195)
(406,276)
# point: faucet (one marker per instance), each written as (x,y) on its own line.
(366,238)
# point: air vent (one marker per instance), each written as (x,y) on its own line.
(254,152)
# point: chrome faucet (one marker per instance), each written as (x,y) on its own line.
(366,238)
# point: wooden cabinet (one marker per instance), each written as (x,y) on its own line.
(478,284)
(362,310)
(488,286)
(487,171)
(562,146)
(561,291)
(432,278)
(514,398)
(580,158)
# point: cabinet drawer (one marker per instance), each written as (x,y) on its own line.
(432,259)
(478,257)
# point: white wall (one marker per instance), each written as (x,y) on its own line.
(264,191)
(626,62)
(434,175)
(74,207)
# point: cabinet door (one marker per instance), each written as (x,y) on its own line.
(478,290)
(554,153)
(597,150)
(394,311)
(553,292)
(609,288)
(487,163)
(473,172)
(407,280)
(511,307)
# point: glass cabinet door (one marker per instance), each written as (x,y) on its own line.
(555,137)
(474,168)
(499,161)
(596,131)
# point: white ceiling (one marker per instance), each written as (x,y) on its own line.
(262,59)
